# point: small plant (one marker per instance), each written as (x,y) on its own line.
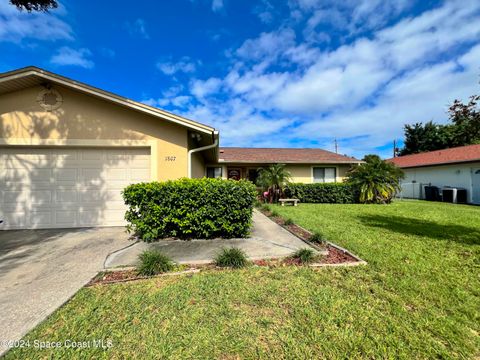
(231,257)
(153,262)
(288,222)
(274,213)
(318,238)
(266,207)
(304,255)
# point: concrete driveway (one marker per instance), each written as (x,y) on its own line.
(41,269)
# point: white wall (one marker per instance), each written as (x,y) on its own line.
(459,175)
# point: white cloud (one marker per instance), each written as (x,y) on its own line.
(185,65)
(217,5)
(16,26)
(282,89)
(75,57)
(138,28)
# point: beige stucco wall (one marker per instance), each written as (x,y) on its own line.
(84,117)
(303,173)
(198,165)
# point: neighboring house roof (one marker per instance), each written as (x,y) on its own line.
(281,155)
(33,76)
(456,155)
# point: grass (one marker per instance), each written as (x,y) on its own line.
(417,298)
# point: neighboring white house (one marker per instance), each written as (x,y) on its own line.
(456,167)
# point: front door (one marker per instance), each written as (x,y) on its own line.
(476,186)
(234,173)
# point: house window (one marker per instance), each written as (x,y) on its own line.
(214,172)
(324,174)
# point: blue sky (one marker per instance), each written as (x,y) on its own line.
(265,73)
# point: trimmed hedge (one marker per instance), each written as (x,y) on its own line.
(190,208)
(330,193)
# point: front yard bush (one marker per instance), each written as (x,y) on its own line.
(153,262)
(190,208)
(329,193)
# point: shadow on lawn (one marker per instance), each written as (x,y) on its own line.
(409,226)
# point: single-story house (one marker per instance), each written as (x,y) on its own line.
(455,167)
(67,150)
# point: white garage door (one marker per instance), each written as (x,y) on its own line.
(67,187)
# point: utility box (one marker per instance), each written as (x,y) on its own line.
(432,193)
(454,195)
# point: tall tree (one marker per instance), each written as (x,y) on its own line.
(421,137)
(35,5)
(463,129)
(466,120)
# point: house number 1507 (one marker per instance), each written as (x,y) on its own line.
(170,158)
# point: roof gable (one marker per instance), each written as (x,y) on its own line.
(32,76)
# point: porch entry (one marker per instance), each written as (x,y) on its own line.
(248,173)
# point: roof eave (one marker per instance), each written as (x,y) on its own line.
(105,95)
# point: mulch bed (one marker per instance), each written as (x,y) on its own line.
(335,256)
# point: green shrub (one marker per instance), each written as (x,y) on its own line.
(190,208)
(318,238)
(288,222)
(153,262)
(329,193)
(304,255)
(231,257)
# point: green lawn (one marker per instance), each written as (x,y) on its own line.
(417,298)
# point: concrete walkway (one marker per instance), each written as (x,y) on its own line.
(41,269)
(268,240)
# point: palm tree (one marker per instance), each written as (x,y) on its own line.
(274,179)
(377,180)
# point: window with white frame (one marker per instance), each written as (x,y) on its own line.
(324,174)
(214,172)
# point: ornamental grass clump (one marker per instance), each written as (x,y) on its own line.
(153,262)
(318,238)
(231,257)
(304,255)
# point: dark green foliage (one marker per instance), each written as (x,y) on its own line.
(329,193)
(288,222)
(190,208)
(426,137)
(376,180)
(153,262)
(231,257)
(304,255)
(464,129)
(35,5)
(273,179)
(318,238)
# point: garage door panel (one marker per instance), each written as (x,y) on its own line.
(42,197)
(45,188)
(41,218)
(66,196)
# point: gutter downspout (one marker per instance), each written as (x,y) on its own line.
(190,152)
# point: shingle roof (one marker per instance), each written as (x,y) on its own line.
(460,154)
(281,155)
